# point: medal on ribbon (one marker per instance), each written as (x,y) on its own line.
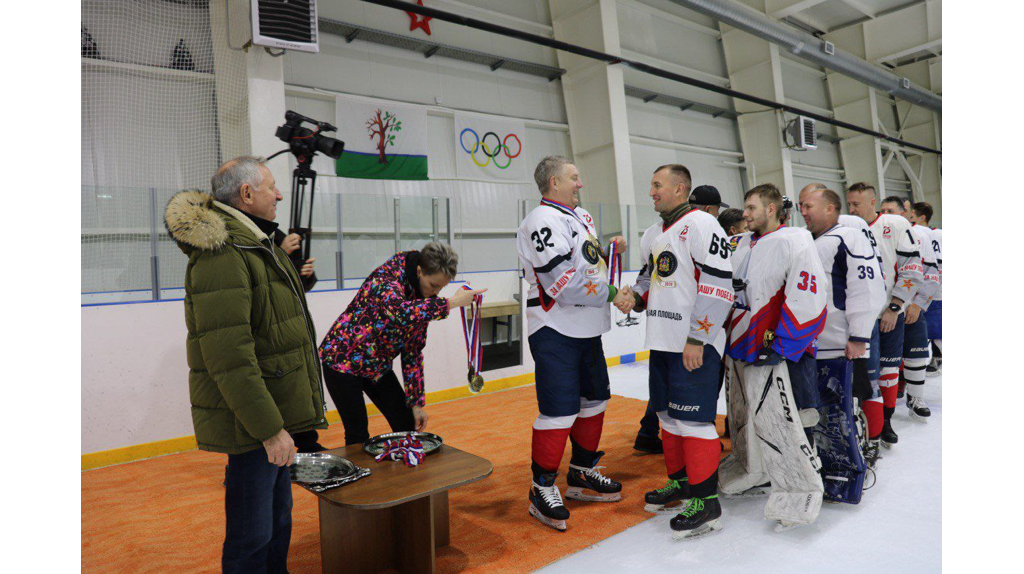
(615,280)
(471,331)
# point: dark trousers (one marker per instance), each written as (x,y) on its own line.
(386,393)
(258,506)
(649,424)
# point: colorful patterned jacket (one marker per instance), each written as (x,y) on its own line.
(388,316)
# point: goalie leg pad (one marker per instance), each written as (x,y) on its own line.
(842,461)
(744,468)
(791,463)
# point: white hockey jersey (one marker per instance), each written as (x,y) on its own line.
(856,290)
(937,246)
(566,270)
(930,267)
(858,223)
(901,259)
(780,298)
(686,282)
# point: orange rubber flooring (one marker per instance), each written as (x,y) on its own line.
(167,513)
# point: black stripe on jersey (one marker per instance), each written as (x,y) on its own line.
(908,253)
(553,263)
(714,272)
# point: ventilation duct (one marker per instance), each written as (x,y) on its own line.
(808,47)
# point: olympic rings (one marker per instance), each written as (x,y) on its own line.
(490,152)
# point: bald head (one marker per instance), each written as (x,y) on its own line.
(806,191)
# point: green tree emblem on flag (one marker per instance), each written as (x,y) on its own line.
(382,127)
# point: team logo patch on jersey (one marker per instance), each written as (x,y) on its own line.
(769,338)
(591,252)
(667,264)
(734,242)
(686,229)
(591,288)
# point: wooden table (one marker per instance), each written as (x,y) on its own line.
(499,309)
(397,516)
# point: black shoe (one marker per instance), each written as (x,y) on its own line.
(702,516)
(546,502)
(674,491)
(587,483)
(918,409)
(648,444)
(888,435)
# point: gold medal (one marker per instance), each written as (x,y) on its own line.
(476,384)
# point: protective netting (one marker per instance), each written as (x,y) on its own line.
(155,119)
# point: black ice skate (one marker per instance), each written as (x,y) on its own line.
(702,516)
(888,435)
(546,503)
(871,455)
(587,483)
(673,497)
(919,410)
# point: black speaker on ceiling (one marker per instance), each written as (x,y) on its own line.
(288,24)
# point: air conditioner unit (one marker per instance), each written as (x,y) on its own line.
(288,24)
(802,133)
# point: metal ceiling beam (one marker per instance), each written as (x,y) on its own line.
(610,59)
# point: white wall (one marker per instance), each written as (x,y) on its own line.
(135,378)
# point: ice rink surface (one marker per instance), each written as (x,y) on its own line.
(897,527)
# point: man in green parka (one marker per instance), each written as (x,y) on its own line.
(254,374)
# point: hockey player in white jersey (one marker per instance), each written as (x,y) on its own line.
(922,217)
(780,310)
(903,274)
(685,288)
(856,296)
(915,337)
(567,310)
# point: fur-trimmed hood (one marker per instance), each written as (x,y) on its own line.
(197,221)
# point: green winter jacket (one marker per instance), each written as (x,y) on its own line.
(253,365)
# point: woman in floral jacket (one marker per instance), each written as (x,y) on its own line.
(389,316)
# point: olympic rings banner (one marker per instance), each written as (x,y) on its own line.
(491,149)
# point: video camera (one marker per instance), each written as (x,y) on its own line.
(304,143)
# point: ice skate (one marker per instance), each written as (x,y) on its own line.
(919,410)
(888,435)
(587,483)
(673,497)
(871,452)
(754,492)
(546,503)
(702,516)
(783,526)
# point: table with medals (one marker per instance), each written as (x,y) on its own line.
(397,515)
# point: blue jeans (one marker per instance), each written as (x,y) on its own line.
(258,505)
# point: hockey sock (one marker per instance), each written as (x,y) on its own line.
(586,431)
(701,458)
(547,449)
(915,373)
(873,410)
(887,413)
(582,456)
(889,385)
(675,460)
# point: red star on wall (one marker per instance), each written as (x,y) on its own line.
(417,21)
(705,325)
